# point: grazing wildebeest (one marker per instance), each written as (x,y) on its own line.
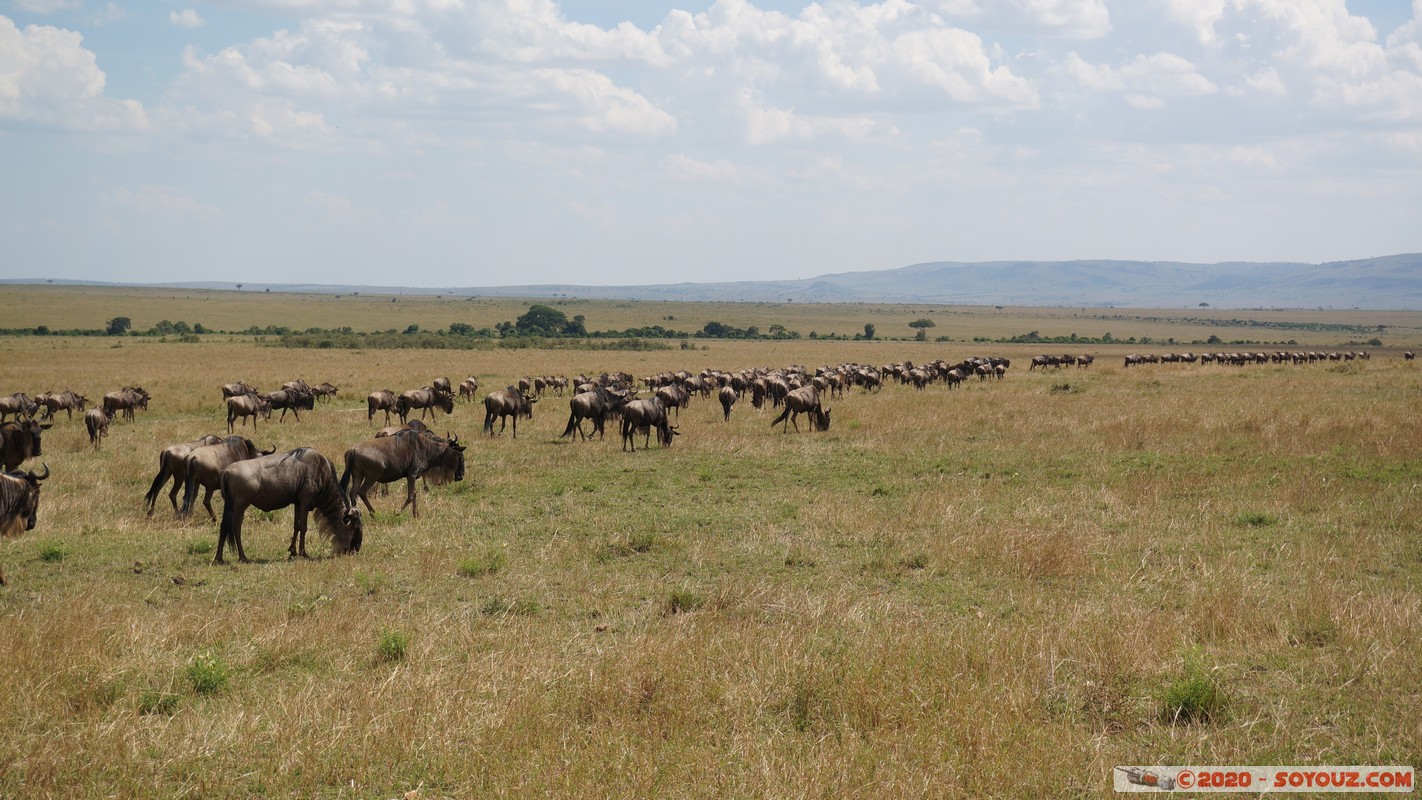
(20,441)
(505,403)
(441,387)
(126,400)
(641,416)
(173,463)
(238,389)
(325,391)
(18,404)
(289,399)
(301,477)
(19,504)
(409,454)
(67,400)
(468,387)
(727,396)
(596,405)
(675,396)
(298,385)
(380,400)
(204,466)
(97,423)
(426,400)
(804,400)
(247,405)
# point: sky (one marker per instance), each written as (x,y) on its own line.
(453,143)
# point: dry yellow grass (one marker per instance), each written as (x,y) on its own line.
(978,593)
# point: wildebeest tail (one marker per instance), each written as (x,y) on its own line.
(158,480)
(572,424)
(783,416)
(190,490)
(346,474)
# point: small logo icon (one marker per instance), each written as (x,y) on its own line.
(1143,777)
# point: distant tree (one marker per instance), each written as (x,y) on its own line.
(42,330)
(461,329)
(578,327)
(118,326)
(922,323)
(868,330)
(1204,305)
(413,328)
(921,336)
(541,320)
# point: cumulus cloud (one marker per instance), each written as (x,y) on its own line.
(163,205)
(187,18)
(48,78)
(1145,81)
(1070,19)
(46,6)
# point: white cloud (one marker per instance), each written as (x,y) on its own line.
(47,6)
(48,78)
(163,205)
(1069,19)
(1145,81)
(187,18)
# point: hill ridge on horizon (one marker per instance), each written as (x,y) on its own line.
(1384,282)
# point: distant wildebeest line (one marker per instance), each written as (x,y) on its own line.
(301,477)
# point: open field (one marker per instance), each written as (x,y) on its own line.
(989,592)
(66,308)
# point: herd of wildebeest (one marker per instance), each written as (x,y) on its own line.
(308,480)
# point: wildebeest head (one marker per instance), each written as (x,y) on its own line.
(352,532)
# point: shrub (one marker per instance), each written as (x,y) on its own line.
(392,646)
(1194,696)
(208,673)
(52,552)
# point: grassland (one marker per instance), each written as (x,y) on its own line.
(990,592)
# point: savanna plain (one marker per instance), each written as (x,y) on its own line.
(1002,590)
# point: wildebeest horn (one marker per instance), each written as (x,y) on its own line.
(269,452)
(37,478)
(47,427)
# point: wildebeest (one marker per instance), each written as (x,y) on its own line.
(424,399)
(505,403)
(408,454)
(19,502)
(289,399)
(97,423)
(298,385)
(20,441)
(1409,355)
(441,387)
(301,477)
(727,396)
(468,388)
(67,400)
(805,400)
(204,466)
(238,389)
(596,405)
(126,400)
(675,396)
(641,416)
(172,463)
(247,405)
(18,404)
(324,391)
(380,400)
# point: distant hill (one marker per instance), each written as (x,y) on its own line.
(1386,282)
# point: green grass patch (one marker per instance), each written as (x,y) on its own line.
(1194,696)
(489,562)
(52,552)
(392,646)
(208,673)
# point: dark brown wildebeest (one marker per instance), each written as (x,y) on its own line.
(596,405)
(18,404)
(675,396)
(126,400)
(289,400)
(172,463)
(324,391)
(426,399)
(804,400)
(641,416)
(204,466)
(301,477)
(441,387)
(727,396)
(468,387)
(409,454)
(97,423)
(298,385)
(391,430)
(247,405)
(380,400)
(21,441)
(1409,355)
(238,389)
(505,403)
(19,504)
(67,400)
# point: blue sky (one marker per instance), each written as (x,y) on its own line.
(469,143)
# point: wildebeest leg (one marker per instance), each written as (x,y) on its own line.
(207,503)
(410,497)
(230,417)
(359,487)
(230,530)
(298,532)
